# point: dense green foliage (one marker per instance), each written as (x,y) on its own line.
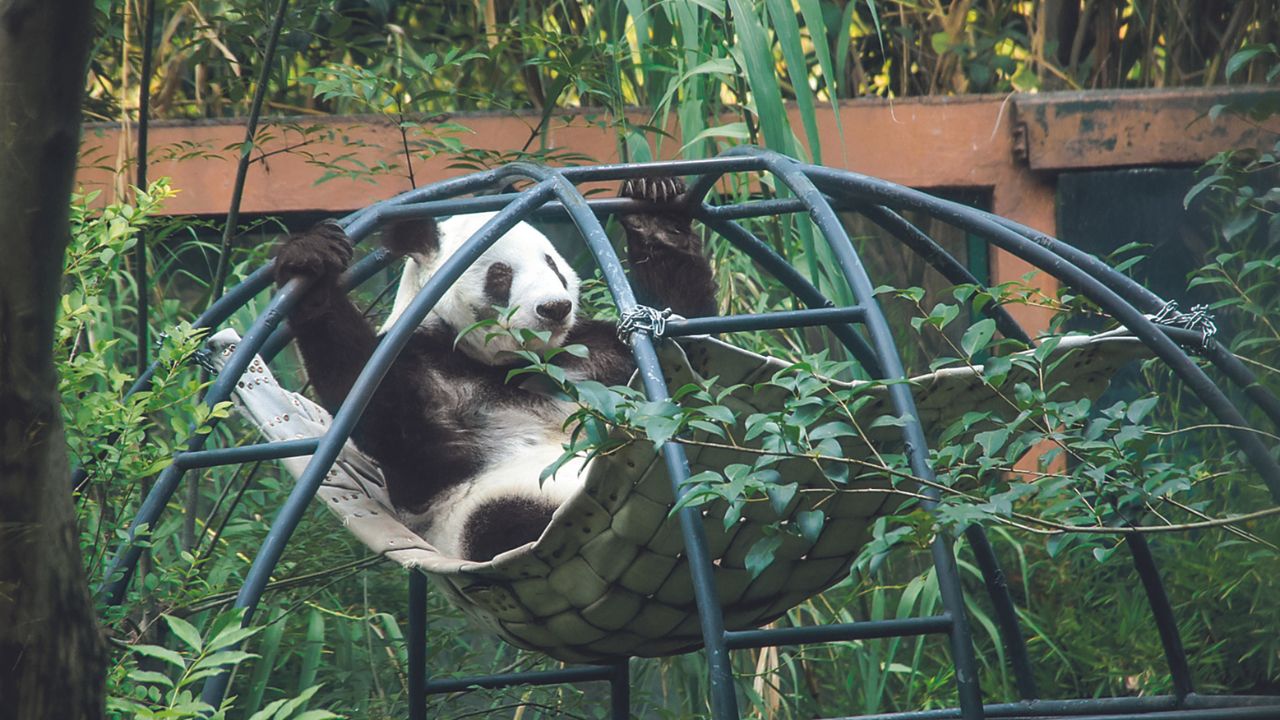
(329,633)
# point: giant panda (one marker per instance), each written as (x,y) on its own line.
(460,447)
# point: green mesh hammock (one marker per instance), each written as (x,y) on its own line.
(607,579)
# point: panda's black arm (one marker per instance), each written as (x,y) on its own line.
(334,338)
(668,263)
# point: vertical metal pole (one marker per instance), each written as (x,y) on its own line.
(1006,616)
(417,642)
(1162,611)
(620,690)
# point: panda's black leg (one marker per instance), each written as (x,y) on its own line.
(667,259)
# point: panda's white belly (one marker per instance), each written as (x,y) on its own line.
(513,471)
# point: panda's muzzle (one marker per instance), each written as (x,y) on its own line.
(555,311)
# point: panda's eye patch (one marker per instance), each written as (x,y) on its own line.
(497,283)
(555,269)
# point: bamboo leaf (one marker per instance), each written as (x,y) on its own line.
(263,667)
(311,651)
(185,631)
(787,28)
(817,25)
(755,55)
(161,653)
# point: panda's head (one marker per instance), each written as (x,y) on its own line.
(522,271)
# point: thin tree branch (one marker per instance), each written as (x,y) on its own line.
(246,153)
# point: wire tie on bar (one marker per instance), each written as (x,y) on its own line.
(1197,319)
(644,319)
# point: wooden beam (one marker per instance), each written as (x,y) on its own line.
(1117,128)
(925,143)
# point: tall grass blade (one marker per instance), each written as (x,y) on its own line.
(754,55)
(817,25)
(312,648)
(268,651)
(787,27)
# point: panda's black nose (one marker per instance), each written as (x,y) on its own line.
(555,310)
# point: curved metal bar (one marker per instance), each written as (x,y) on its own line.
(621,171)
(1040,255)
(121,567)
(1129,289)
(1049,254)
(344,420)
(944,262)
(790,172)
(724,702)
(880,192)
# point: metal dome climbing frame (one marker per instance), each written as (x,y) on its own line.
(819,192)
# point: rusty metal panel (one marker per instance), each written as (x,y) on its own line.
(1119,128)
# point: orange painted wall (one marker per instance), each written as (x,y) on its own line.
(1010,145)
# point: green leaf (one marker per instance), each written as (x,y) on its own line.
(185,632)
(992,440)
(940,42)
(837,428)
(787,29)
(161,653)
(151,677)
(719,413)
(222,659)
(762,552)
(1244,57)
(810,523)
(1198,188)
(232,635)
(977,336)
(780,497)
(1139,409)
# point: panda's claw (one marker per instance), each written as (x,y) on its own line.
(656,190)
(321,252)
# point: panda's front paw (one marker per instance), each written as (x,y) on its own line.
(322,252)
(656,190)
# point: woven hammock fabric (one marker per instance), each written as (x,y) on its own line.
(608,578)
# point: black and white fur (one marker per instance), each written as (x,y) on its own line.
(461,448)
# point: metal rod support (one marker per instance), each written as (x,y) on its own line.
(1162,612)
(572,675)
(763,321)
(246,453)
(417,642)
(905,627)
(1129,708)
(553,192)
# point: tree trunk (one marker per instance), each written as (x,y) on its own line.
(51,655)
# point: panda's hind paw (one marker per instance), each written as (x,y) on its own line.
(321,252)
(656,190)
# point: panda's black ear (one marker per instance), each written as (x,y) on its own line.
(419,237)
